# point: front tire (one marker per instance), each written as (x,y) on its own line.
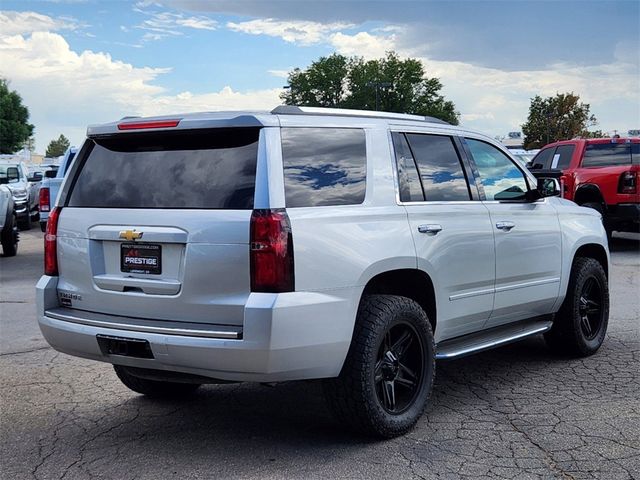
(581,324)
(389,371)
(9,237)
(155,388)
(25,223)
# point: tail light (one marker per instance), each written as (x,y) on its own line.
(628,182)
(45,199)
(271,252)
(50,244)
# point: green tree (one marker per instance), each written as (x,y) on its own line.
(15,128)
(388,84)
(57,147)
(556,118)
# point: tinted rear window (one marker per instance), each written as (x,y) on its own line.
(601,154)
(324,166)
(440,167)
(212,169)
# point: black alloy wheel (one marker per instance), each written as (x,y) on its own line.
(590,308)
(398,370)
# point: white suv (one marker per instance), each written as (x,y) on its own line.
(355,247)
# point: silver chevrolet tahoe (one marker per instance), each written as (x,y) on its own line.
(304,243)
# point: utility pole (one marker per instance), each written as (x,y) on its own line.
(378,86)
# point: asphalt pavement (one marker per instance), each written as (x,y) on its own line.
(515,412)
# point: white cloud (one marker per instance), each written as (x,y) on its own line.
(279,73)
(16,23)
(165,24)
(66,90)
(362,44)
(297,31)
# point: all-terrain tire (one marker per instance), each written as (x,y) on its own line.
(154,388)
(9,237)
(580,325)
(354,396)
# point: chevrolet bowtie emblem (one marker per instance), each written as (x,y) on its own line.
(130,235)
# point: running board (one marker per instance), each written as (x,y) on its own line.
(495,337)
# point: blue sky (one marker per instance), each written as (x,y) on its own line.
(78,62)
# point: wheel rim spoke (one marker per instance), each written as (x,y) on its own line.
(377,373)
(389,392)
(402,344)
(586,325)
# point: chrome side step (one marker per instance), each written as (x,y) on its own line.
(495,337)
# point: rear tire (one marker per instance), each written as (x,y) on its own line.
(581,324)
(9,237)
(155,388)
(388,374)
(25,223)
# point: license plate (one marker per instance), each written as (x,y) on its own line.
(141,258)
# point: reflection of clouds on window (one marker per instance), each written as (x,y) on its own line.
(500,178)
(323,166)
(163,172)
(440,168)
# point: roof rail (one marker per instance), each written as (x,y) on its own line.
(344,112)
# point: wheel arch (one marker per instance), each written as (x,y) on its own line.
(595,251)
(407,282)
(588,192)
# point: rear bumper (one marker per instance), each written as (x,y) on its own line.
(624,217)
(292,336)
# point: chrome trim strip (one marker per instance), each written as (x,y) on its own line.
(506,288)
(534,283)
(487,344)
(475,293)
(186,332)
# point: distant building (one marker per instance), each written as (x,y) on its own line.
(513,140)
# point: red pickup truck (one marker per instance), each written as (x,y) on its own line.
(600,173)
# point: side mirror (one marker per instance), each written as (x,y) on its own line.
(549,187)
(13,175)
(37,177)
(50,173)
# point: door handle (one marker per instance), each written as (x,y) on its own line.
(506,226)
(430,229)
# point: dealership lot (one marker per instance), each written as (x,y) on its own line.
(516,412)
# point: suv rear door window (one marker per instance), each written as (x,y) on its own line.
(198,169)
(324,166)
(439,166)
(603,154)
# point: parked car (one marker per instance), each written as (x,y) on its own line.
(25,190)
(601,174)
(51,184)
(353,247)
(8,221)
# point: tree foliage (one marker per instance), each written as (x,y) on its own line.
(57,147)
(351,82)
(15,128)
(556,118)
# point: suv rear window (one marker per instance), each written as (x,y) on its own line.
(324,166)
(601,154)
(198,169)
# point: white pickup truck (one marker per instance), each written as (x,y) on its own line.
(51,185)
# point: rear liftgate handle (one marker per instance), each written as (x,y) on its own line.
(430,229)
